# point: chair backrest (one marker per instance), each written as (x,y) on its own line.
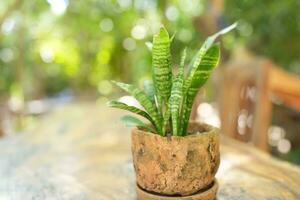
(245,102)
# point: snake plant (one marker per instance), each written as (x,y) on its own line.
(168,100)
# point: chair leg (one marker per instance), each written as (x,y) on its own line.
(263,111)
(229,106)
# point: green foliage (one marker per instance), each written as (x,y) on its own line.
(120,105)
(177,95)
(161,61)
(144,101)
(199,71)
(131,121)
(104,42)
(208,61)
(166,119)
(173,95)
(149,90)
(269,28)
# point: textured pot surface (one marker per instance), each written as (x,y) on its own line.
(176,165)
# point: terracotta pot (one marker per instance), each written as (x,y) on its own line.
(176,165)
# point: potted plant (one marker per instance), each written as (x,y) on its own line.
(173,158)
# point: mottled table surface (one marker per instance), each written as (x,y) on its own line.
(82,151)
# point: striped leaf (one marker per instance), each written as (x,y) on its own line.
(131,121)
(206,45)
(208,62)
(193,68)
(166,120)
(144,101)
(177,96)
(149,90)
(121,105)
(169,102)
(161,61)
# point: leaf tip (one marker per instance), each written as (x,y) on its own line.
(162,34)
(228,28)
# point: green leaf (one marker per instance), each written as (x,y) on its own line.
(143,99)
(195,72)
(166,120)
(161,60)
(131,121)
(200,76)
(182,61)
(206,45)
(177,96)
(121,105)
(149,90)
(172,37)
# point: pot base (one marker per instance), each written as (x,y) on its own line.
(208,194)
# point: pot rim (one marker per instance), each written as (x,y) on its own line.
(209,129)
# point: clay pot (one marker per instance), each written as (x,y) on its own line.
(176,165)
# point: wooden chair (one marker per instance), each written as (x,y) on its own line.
(248,89)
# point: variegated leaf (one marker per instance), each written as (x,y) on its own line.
(149,90)
(161,61)
(193,67)
(206,45)
(166,120)
(177,96)
(131,121)
(121,105)
(144,101)
(200,76)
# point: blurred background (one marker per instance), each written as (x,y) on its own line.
(55,52)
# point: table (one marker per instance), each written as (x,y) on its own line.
(82,151)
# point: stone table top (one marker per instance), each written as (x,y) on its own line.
(82,151)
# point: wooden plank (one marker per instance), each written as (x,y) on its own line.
(263,108)
(285,87)
(229,103)
(82,151)
(283,81)
(269,82)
